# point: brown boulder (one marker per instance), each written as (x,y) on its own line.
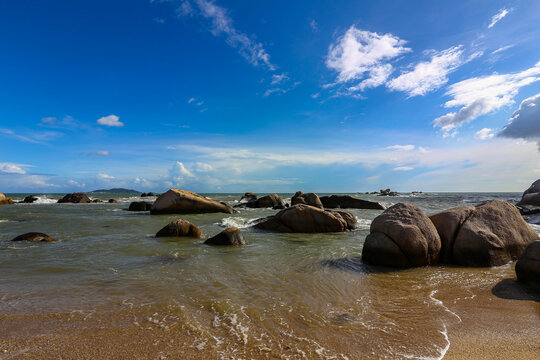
(528,264)
(269,201)
(490,234)
(309,199)
(402,236)
(180,228)
(77,198)
(307,219)
(247,197)
(177,201)
(230,236)
(4,200)
(348,202)
(33,236)
(140,206)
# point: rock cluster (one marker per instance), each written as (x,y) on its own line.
(308,199)
(490,234)
(269,201)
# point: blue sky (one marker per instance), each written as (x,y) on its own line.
(222,96)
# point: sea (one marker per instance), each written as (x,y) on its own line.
(108,288)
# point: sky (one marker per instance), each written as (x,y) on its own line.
(269,96)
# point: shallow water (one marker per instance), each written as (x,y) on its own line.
(282,295)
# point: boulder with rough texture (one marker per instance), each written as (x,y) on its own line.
(140,206)
(269,201)
(177,201)
(528,264)
(309,199)
(348,202)
(4,200)
(180,228)
(247,197)
(76,198)
(402,236)
(33,236)
(307,219)
(490,234)
(230,236)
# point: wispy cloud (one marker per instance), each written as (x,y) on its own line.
(498,17)
(110,120)
(481,95)
(221,24)
(362,57)
(100,153)
(430,75)
(403,168)
(501,49)
(484,134)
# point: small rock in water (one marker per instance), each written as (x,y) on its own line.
(343,318)
(139,206)
(180,228)
(34,236)
(230,236)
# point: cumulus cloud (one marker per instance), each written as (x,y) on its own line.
(111,120)
(10,168)
(103,176)
(100,153)
(498,17)
(484,134)
(525,123)
(222,25)
(430,75)
(363,57)
(481,95)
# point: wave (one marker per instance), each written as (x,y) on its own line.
(237,222)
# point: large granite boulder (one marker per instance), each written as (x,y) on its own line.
(490,234)
(402,236)
(230,236)
(269,201)
(309,199)
(180,228)
(77,198)
(530,199)
(348,202)
(528,264)
(33,236)
(140,206)
(307,219)
(4,200)
(177,201)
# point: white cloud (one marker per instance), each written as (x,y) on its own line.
(403,168)
(75,183)
(100,153)
(502,48)
(103,176)
(484,134)
(281,91)
(401,147)
(481,95)
(203,167)
(222,24)
(430,75)
(363,56)
(278,78)
(498,17)
(525,123)
(191,100)
(111,120)
(10,168)
(313,25)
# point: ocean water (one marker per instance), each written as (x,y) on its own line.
(290,296)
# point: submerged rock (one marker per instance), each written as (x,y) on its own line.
(307,219)
(112,201)
(4,200)
(489,234)
(230,236)
(140,206)
(96,201)
(29,199)
(349,202)
(309,199)
(177,201)
(269,201)
(402,236)
(34,236)
(76,198)
(180,228)
(528,264)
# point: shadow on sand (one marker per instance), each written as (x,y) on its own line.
(514,290)
(355,264)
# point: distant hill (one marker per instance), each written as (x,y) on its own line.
(115,191)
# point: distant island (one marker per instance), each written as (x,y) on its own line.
(115,191)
